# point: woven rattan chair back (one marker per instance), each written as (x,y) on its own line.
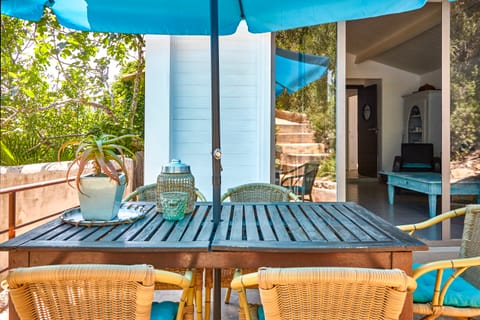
(82,292)
(470,246)
(259,192)
(149,193)
(332,293)
(95,291)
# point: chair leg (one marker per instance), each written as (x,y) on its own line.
(208,297)
(208,292)
(227,295)
(199,293)
(190,300)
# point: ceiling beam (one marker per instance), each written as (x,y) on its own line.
(427,21)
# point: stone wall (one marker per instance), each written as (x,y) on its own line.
(291,116)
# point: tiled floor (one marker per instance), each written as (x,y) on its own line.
(410,207)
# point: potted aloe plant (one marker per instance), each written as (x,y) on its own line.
(100,192)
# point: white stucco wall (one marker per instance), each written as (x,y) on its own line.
(178,107)
(394,84)
(433,78)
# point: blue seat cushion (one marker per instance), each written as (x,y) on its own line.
(165,310)
(460,293)
(412,165)
(297,189)
(260,313)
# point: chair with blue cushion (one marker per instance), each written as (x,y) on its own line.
(416,157)
(450,288)
(149,193)
(332,293)
(97,291)
(248,193)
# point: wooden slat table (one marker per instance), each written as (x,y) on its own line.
(249,235)
(311,234)
(151,240)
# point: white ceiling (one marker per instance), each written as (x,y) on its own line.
(409,41)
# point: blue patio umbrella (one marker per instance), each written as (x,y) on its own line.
(295,70)
(203,17)
(193,17)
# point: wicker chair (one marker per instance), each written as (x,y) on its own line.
(300,180)
(467,265)
(149,193)
(93,291)
(325,293)
(250,192)
(259,192)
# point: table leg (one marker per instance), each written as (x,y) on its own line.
(391,194)
(432,205)
(217,294)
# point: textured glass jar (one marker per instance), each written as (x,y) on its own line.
(173,204)
(176,176)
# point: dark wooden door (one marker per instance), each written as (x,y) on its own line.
(367,131)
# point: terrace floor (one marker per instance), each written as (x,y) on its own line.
(410,207)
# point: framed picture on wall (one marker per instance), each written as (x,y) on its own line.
(366,112)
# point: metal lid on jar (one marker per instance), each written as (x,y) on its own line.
(176,166)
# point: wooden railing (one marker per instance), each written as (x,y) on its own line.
(12,204)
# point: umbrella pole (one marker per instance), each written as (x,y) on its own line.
(216,153)
(215,87)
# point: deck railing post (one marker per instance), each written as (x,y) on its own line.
(12,204)
(12,207)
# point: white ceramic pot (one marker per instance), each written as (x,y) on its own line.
(101,197)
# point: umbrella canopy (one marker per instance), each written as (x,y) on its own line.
(295,70)
(192,17)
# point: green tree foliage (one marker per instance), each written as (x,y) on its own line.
(465,78)
(55,85)
(316,100)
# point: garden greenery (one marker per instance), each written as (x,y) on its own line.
(57,85)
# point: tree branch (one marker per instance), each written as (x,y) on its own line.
(136,84)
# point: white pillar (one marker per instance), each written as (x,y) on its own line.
(445,116)
(341,146)
(157,106)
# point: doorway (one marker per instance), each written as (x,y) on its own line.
(363,133)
